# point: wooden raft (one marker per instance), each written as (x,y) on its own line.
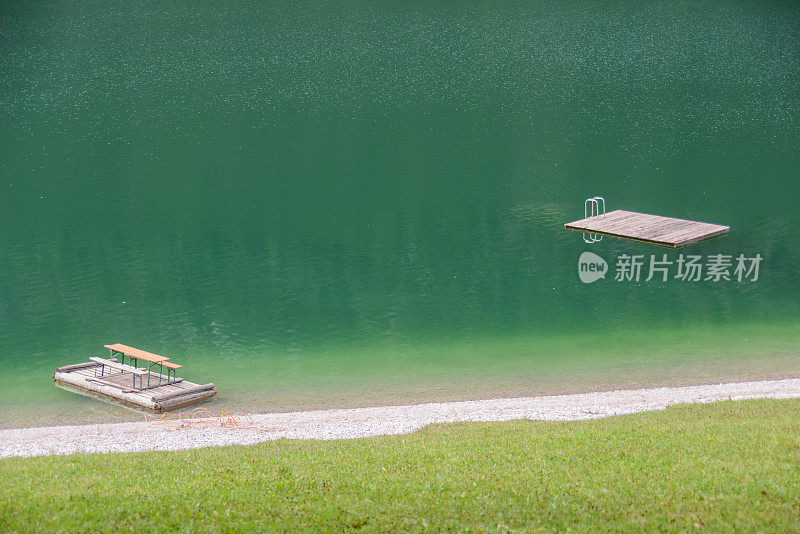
(165,393)
(666,231)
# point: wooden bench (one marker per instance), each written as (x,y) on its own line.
(111,364)
(171,368)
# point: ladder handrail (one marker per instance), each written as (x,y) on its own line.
(598,205)
(591,208)
(594,202)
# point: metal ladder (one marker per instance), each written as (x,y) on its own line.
(591,207)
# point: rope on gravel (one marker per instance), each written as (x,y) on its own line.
(203,418)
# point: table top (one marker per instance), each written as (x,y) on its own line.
(138,354)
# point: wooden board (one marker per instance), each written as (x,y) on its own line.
(137,354)
(666,231)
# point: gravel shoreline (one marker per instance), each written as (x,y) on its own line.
(363,422)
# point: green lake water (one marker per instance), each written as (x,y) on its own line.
(349,203)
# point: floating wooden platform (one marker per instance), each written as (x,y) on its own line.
(666,231)
(162,394)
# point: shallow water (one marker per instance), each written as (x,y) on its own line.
(335,204)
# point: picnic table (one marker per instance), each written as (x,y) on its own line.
(152,359)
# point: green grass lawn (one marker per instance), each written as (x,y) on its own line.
(720,467)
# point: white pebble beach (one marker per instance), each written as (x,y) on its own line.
(364,422)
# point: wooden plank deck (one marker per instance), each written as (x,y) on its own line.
(655,229)
(159,397)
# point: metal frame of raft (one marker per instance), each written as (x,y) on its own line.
(114,380)
(643,227)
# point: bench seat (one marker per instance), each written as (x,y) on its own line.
(119,366)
